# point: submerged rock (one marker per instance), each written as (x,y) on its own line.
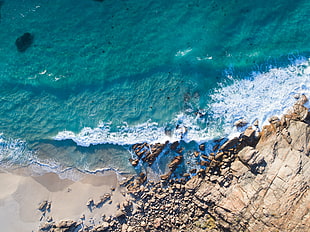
(24,42)
(1,3)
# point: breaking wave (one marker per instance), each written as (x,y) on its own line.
(257,97)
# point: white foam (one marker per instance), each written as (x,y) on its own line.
(183,52)
(148,132)
(259,97)
(204,58)
(13,151)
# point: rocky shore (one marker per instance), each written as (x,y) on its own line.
(258,181)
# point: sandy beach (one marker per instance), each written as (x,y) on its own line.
(21,196)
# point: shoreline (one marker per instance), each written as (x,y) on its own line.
(245,184)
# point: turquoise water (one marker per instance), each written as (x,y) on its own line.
(101,76)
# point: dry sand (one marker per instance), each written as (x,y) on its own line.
(20,197)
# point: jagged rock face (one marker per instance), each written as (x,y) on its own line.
(275,197)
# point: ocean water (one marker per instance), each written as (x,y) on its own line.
(101,76)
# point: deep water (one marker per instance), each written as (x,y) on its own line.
(101,76)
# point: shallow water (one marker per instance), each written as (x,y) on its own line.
(120,72)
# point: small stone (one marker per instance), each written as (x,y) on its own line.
(202,147)
(256,123)
(157,222)
(135,162)
(43,206)
(273,119)
(196,153)
(240,123)
(49,219)
(90,202)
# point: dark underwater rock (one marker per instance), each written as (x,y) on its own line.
(24,42)
(1,3)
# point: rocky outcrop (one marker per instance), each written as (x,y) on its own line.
(147,152)
(269,189)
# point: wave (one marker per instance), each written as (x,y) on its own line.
(257,97)
(14,152)
(182,127)
(261,95)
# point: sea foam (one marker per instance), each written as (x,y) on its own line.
(261,96)
(13,151)
(257,97)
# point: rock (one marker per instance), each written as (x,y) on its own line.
(124,228)
(196,153)
(152,151)
(101,228)
(256,123)
(253,159)
(103,199)
(90,203)
(193,183)
(240,123)
(68,224)
(186,175)
(49,219)
(204,157)
(238,168)
(175,162)
(229,144)
(302,112)
(275,121)
(24,42)
(180,150)
(143,224)
(174,145)
(202,147)
(247,138)
(157,223)
(165,176)
(43,206)
(246,154)
(135,162)
(302,99)
(120,213)
(46,226)
(297,96)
